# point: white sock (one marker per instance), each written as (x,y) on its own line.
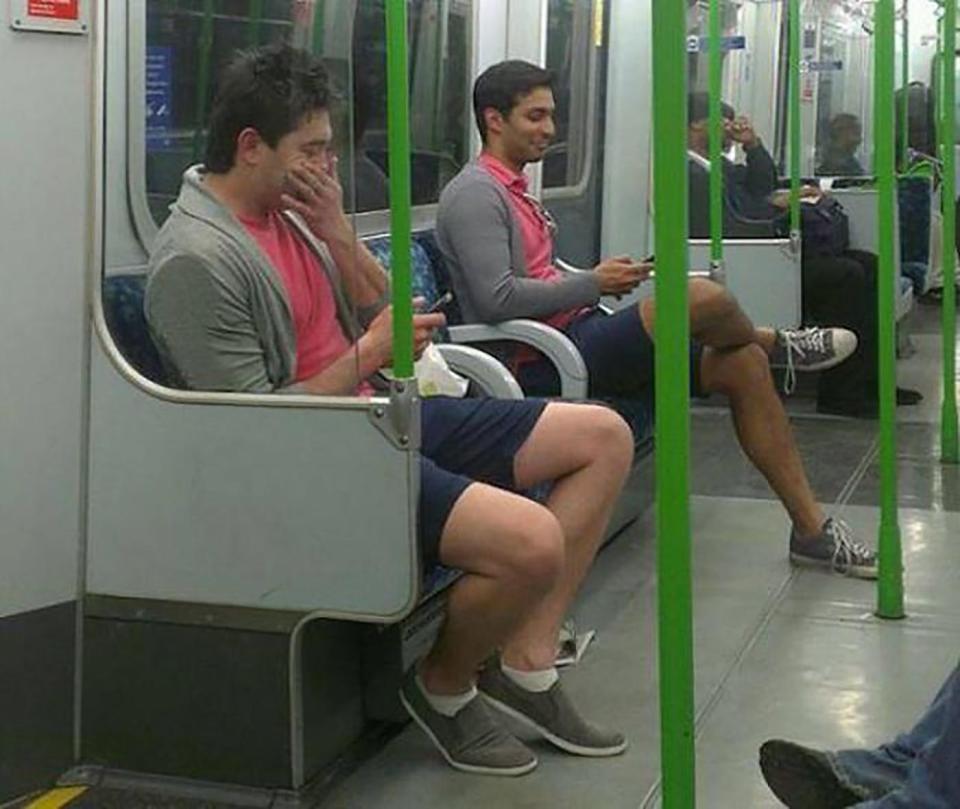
(535,681)
(447,704)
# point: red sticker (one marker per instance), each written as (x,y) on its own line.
(54,9)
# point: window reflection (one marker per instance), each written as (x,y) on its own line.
(189,41)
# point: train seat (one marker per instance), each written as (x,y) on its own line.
(123,310)
(431,279)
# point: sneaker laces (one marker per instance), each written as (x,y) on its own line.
(800,342)
(847,552)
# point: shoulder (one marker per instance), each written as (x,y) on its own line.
(472,195)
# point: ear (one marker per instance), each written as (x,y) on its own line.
(494,120)
(249,147)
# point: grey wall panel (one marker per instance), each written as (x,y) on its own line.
(274,507)
(44,142)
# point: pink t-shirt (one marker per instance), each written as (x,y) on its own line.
(320,338)
(534,230)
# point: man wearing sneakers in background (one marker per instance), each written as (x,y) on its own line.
(498,243)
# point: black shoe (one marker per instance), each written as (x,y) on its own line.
(803,778)
(908,396)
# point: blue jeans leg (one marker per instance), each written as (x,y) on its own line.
(933,778)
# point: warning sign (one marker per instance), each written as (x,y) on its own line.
(54,9)
(51,16)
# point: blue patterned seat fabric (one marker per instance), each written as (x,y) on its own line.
(123,310)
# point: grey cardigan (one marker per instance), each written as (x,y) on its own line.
(481,241)
(217,308)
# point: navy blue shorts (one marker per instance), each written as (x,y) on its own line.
(466,441)
(618,353)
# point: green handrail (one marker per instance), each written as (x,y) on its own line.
(677,758)
(890,587)
(398,115)
(204,48)
(255,23)
(905,100)
(948,137)
(716,137)
(794,103)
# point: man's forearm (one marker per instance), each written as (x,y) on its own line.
(343,376)
(363,277)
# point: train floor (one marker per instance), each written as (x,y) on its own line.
(779,651)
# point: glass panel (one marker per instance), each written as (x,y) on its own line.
(189,42)
(570,56)
(327,290)
(836,91)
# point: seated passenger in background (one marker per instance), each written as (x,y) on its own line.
(253,282)
(844,136)
(919,769)
(498,242)
(837,289)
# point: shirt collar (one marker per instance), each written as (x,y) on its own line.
(513,180)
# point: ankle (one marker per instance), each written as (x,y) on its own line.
(808,531)
(436,680)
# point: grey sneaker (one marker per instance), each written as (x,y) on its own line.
(803,778)
(812,349)
(472,740)
(835,548)
(551,714)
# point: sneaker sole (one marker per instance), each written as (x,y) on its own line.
(853,572)
(476,769)
(557,741)
(800,781)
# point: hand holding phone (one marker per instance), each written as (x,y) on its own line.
(440,303)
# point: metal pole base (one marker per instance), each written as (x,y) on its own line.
(890,586)
(949,449)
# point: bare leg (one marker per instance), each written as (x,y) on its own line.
(716,318)
(743,374)
(512,551)
(599,445)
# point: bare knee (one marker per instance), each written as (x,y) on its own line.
(610,438)
(741,369)
(535,551)
(709,303)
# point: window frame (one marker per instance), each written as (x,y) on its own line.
(366,224)
(597,39)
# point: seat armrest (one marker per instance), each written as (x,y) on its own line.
(552,343)
(486,371)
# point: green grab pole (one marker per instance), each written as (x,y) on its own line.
(948,410)
(890,585)
(319,25)
(793,12)
(905,83)
(398,122)
(256,19)
(205,46)
(716,138)
(672,366)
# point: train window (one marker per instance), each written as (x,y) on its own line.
(571,55)
(189,41)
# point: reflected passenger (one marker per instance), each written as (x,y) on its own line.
(844,136)
(254,281)
(498,242)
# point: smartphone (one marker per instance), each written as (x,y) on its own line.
(444,300)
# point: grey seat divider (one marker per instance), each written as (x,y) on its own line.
(272,502)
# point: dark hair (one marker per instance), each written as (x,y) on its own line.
(698,108)
(503,85)
(843,121)
(270,89)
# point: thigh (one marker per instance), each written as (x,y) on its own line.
(478,438)
(617,351)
